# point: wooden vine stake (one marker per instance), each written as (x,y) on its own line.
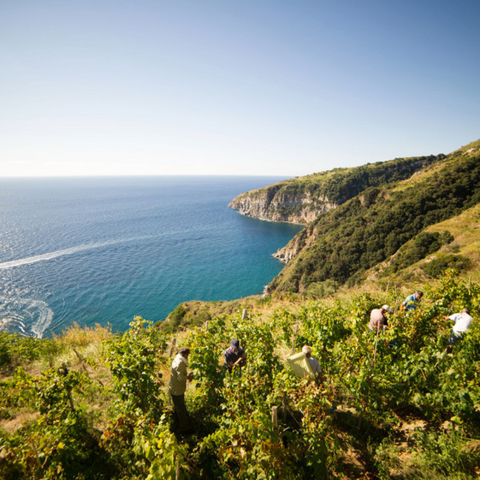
(174,342)
(375,353)
(244,314)
(274,417)
(295,331)
(359,425)
(177,473)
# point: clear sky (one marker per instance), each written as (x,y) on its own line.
(242,87)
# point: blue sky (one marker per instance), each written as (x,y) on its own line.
(251,87)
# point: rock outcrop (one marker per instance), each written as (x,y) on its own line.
(301,241)
(275,204)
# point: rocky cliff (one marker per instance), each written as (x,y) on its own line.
(302,240)
(301,200)
(277,204)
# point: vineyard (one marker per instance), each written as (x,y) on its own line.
(93,405)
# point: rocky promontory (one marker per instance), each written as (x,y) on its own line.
(304,200)
(301,200)
(277,204)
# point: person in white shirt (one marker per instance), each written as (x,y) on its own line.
(462,321)
(314,364)
(378,319)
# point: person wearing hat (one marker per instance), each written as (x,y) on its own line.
(378,318)
(177,387)
(314,364)
(234,356)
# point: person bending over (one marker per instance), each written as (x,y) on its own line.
(314,364)
(234,356)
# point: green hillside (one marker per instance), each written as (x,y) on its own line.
(90,404)
(93,405)
(342,184)
(296,200)
(342,244)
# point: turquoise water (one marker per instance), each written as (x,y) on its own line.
(103,250)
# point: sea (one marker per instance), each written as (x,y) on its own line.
(104,250)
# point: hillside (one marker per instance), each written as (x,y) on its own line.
(302,199)
(343,244)
(422,259)
(90,404)
(93,405)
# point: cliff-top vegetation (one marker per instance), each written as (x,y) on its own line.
(330,189)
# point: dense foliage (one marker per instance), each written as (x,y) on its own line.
(347,241)
(343,184)
(352,426)
(424,244)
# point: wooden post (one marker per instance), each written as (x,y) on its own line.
(388,286)
(360,419)
(375,354)
(244,314)
(177,473)
(174,342)
(295,331)
(274,417)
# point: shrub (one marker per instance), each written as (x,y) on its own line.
(439,265)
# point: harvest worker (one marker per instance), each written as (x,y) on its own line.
(177,387)
(234,356)
(462,321)
(378,319)
(314,364)
(411,301)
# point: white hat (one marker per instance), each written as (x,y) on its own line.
(386,307)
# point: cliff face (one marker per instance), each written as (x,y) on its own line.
(301,200)
(276,205)
(309,199)
(302,240)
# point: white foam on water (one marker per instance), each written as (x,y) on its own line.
(45,256)
(44,319)
(15,310)
(67,251)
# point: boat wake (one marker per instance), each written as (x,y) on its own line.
(67,251)
(48,256)
(25,316)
